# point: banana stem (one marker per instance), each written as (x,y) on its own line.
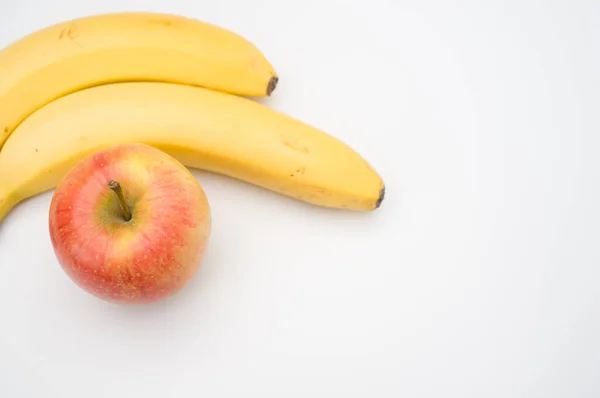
(116,187)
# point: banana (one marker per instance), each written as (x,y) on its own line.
(202,128)
(120,47)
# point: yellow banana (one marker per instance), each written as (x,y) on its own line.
(120,47)
(202,128)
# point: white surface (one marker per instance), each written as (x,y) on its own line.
(478,277)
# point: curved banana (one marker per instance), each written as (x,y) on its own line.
(107,48)
(202,128)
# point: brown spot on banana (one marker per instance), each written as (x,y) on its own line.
(295,145)
(299,171)
(71,34)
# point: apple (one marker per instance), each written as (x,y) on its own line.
(129,224)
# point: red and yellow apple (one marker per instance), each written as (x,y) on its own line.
(130,224)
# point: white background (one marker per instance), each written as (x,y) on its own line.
(478,277)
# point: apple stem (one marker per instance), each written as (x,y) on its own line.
(116,187)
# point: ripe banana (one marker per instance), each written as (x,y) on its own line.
(202,128)
(119,47)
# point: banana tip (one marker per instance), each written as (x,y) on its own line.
(381,196)
(272,84)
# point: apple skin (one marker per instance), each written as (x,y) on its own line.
(143,260)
